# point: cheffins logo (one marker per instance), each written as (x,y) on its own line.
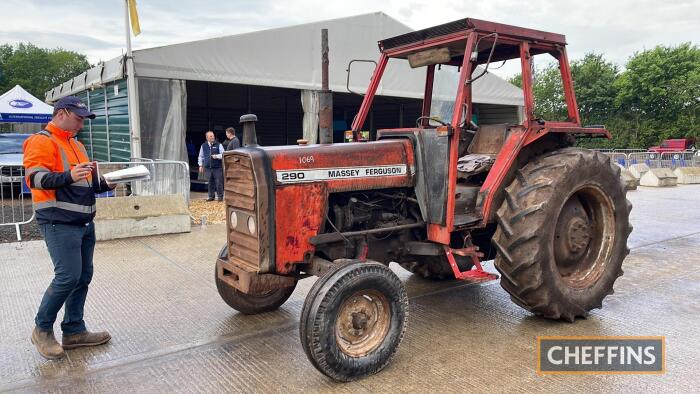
(601,355)
(19,103)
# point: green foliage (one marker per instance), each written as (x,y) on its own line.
(38,69)
(594,83)
(661,88)
(656,97)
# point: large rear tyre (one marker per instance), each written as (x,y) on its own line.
(250,304)
(353,320)
(562,233)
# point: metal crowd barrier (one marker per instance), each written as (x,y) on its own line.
(15,199)
(678,159)
(167,178)
(619,158)
(670,160)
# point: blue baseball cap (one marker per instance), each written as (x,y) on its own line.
(74,105)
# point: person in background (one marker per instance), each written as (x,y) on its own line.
(232,142)
(63,182)
(210,163)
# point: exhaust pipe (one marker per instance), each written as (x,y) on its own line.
(249,136)
(325,98)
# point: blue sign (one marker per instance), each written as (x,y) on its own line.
(25,118)
(19,103)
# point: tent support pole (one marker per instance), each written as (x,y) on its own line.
(132,91)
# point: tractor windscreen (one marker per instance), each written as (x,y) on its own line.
(445,84)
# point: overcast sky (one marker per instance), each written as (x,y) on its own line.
(616,28)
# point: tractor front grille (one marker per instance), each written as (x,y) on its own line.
(241,199)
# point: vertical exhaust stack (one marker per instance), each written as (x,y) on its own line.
(249,136)
(325,98)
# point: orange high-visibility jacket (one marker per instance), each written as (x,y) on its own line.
(49,156)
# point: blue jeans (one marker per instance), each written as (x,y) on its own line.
(71,248)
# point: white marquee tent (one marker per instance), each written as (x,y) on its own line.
(287,57)
(19,106)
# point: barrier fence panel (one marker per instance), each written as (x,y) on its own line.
(651,159)
(619,158)
(629,150)
(674,160)
(167,178)
(15,199)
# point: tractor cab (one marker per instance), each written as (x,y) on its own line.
(464,162)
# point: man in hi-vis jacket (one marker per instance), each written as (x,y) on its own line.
(63,184)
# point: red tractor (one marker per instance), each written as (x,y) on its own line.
(437,198)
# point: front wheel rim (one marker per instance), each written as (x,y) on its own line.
(362,323)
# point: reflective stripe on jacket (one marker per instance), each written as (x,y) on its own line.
(49,156)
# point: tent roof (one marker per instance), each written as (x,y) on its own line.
(290,57)
(19,106)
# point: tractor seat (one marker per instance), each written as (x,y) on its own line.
(482,150)
(489,139)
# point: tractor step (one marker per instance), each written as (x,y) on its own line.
(477,273)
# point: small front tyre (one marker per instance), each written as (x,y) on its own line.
(353,320)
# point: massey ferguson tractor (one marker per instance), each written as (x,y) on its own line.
(437,198)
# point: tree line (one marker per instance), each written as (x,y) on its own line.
(36,69)
(656,96)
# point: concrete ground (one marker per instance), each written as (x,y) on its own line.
(172,332)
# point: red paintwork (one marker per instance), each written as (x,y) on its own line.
(464,96)
(568,84)
(299,215)
(504,160)
(353,154)
(476,274)
(300,208)
(369,97)
(526,69)
(673,145)
(428,94)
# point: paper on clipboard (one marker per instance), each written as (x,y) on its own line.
(137,173)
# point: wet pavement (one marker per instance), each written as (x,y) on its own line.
(172,332)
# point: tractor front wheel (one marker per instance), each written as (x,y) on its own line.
(353,320)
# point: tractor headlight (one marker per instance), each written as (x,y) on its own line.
(234,220)
(251,225)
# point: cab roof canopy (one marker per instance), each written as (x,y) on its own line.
(453,35)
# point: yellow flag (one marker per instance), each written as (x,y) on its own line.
(134,17)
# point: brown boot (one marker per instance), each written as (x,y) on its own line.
(85,338)
(46,344)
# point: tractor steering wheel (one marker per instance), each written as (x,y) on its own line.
(434,119)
